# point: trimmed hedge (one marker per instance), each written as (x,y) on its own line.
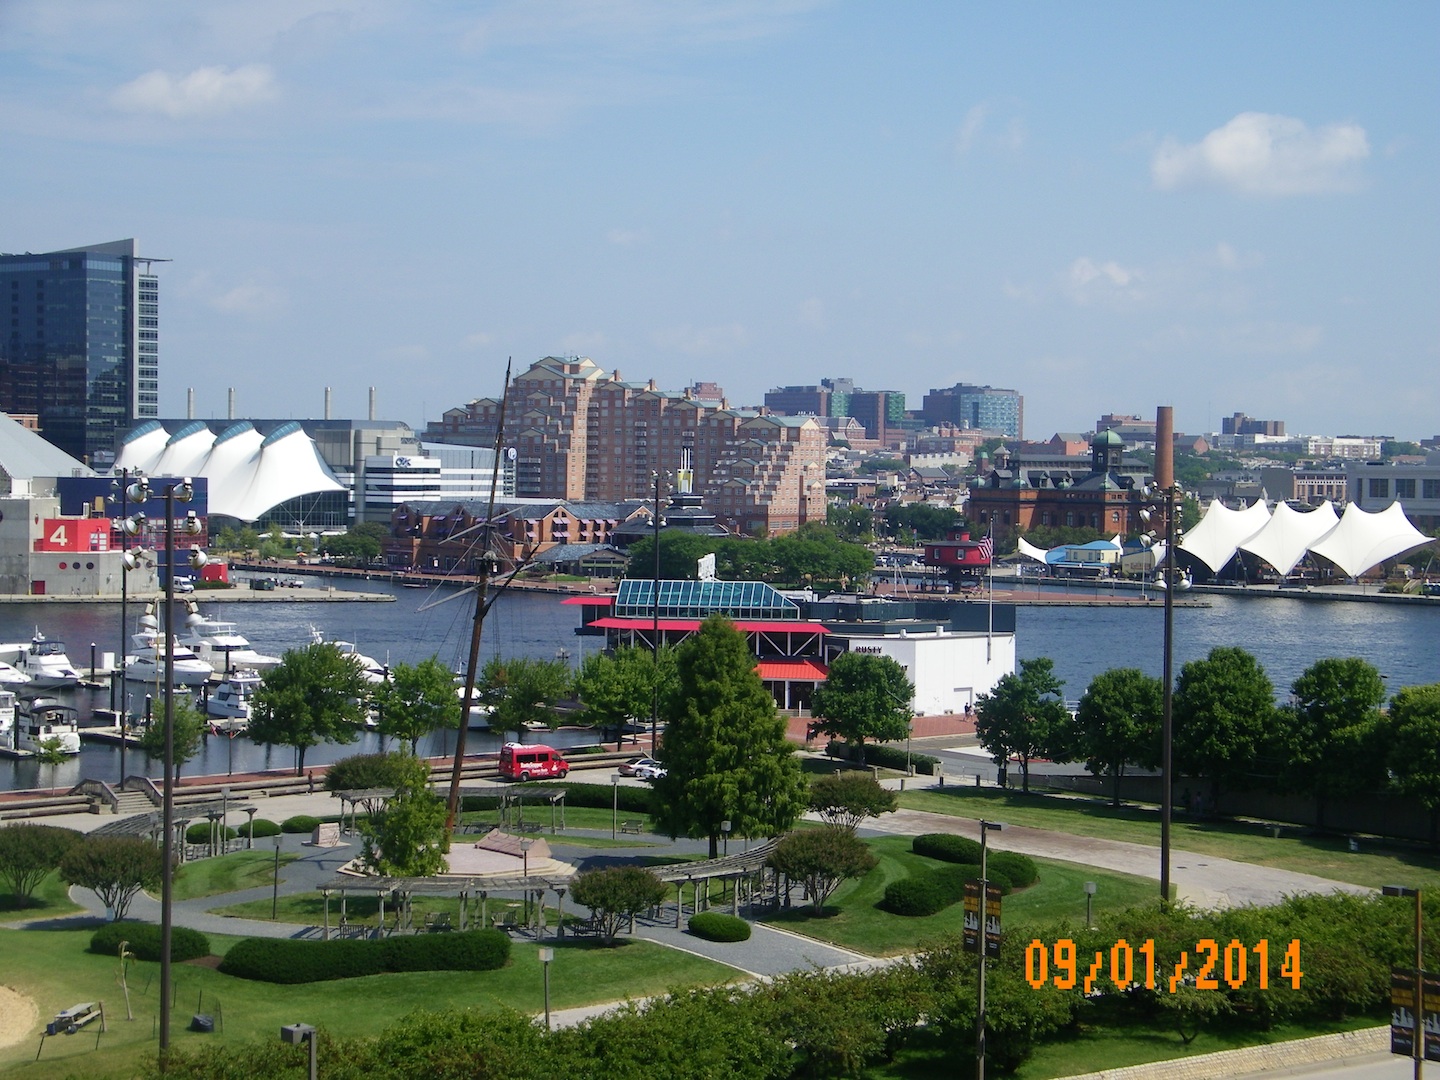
(287,961)
(717,926)
(263,827)
(300,823)
(934,890)
(1019,869)
(144,941)
(887,757)
(199,833)
(946,847)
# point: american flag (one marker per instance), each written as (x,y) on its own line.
(987,547)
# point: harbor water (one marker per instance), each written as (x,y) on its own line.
(1286,635)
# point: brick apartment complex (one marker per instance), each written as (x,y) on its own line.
(582,434)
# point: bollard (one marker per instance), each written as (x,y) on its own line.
(977,779)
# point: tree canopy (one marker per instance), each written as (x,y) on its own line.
(1223,710)
(523,691)
(618,687)
(406,837)
(1118,724)
(822,859)
(724,748)
(189,736)
(614,893)
(314,695)
(417,699)
(114,868)
(864,696)
(1024,715)
(815,552)
(845,799)
(1412,734)
(28,852)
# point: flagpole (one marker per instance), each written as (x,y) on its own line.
(990,590)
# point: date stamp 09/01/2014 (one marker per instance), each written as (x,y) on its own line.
(1211,967)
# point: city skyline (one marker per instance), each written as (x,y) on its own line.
(1095,207)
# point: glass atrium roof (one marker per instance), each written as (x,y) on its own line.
(698,599)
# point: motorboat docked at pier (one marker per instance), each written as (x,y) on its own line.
(229,705)
(43,662)
(148,663)
(220,644)
(12,677)
(43,723)
(373,671)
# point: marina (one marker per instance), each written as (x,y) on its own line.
(1286,634)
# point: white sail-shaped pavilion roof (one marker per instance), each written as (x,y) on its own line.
(287,466)
(1289,533)
(141,449)
(1221,532)
(1364,540)
(185,451)
(1030,551)
(231,464)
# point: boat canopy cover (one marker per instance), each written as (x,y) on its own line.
(1289,533)
(1221,532)
(1364,540)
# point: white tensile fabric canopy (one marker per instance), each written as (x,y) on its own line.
(1289,534)
(1030,551)
(1364,540)
(1222,530)
(247,474)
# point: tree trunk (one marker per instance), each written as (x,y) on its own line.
(1025,776)
(1119,774)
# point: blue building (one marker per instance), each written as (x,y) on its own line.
(977,408)
(79,344)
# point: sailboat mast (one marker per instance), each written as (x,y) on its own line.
(482,587)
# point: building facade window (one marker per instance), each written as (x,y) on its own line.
(1405,487)
(1378,488)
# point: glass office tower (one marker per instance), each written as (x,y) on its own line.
(79,344)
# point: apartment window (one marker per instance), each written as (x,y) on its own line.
(1405,487)
(1431,488)
(1378,488)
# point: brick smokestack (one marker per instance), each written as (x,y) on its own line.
(1165,446)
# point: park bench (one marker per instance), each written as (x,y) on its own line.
(437,922)
(631,827)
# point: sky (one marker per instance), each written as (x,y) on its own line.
(1224,207)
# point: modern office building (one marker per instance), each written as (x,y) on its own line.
(80,352)
(983,408)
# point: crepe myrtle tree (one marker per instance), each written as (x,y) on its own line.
(864,696)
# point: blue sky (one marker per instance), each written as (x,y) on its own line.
(1224,207)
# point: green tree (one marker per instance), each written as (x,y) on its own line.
(314,695)
(724,749)
(925,521)
(28,852)
(407,837)
(679,553)
(1024,715)
(1118,724)
(189,728)
(864,696)
(1224,706)
(846,799)
(360,546)
(523,691)
(375,772)
(1412,734)
(822,859)
(1328,734)
(618,687)
(851,521)
(114,868)
(416,700)
(615,893)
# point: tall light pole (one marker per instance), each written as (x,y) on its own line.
(1165,478)
(655,628)
(985,827)
(181,491)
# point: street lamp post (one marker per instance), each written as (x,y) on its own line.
(250,825)
(181,491)
(725,833)
(547,954)
(655,627)
(615,806)
(275,888)
(985,827)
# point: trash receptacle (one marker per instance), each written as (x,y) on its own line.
(203,1023)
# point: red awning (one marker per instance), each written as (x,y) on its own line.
(777,626)
(792,670)
(590,601)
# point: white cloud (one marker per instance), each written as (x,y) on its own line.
(1265,154)
(1091,282)
(982,123)
(970,128)
(205,91)
(252,300)
(703,340)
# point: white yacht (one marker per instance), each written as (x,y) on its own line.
(147,663)
(12,677)
(228,705)
(42,662)
(220,644)
(9,733)
(373,671)
(44,722)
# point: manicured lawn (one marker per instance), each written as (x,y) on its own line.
(51,899)
(854,922)
(54,968)
(228,873)
(1324,856)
